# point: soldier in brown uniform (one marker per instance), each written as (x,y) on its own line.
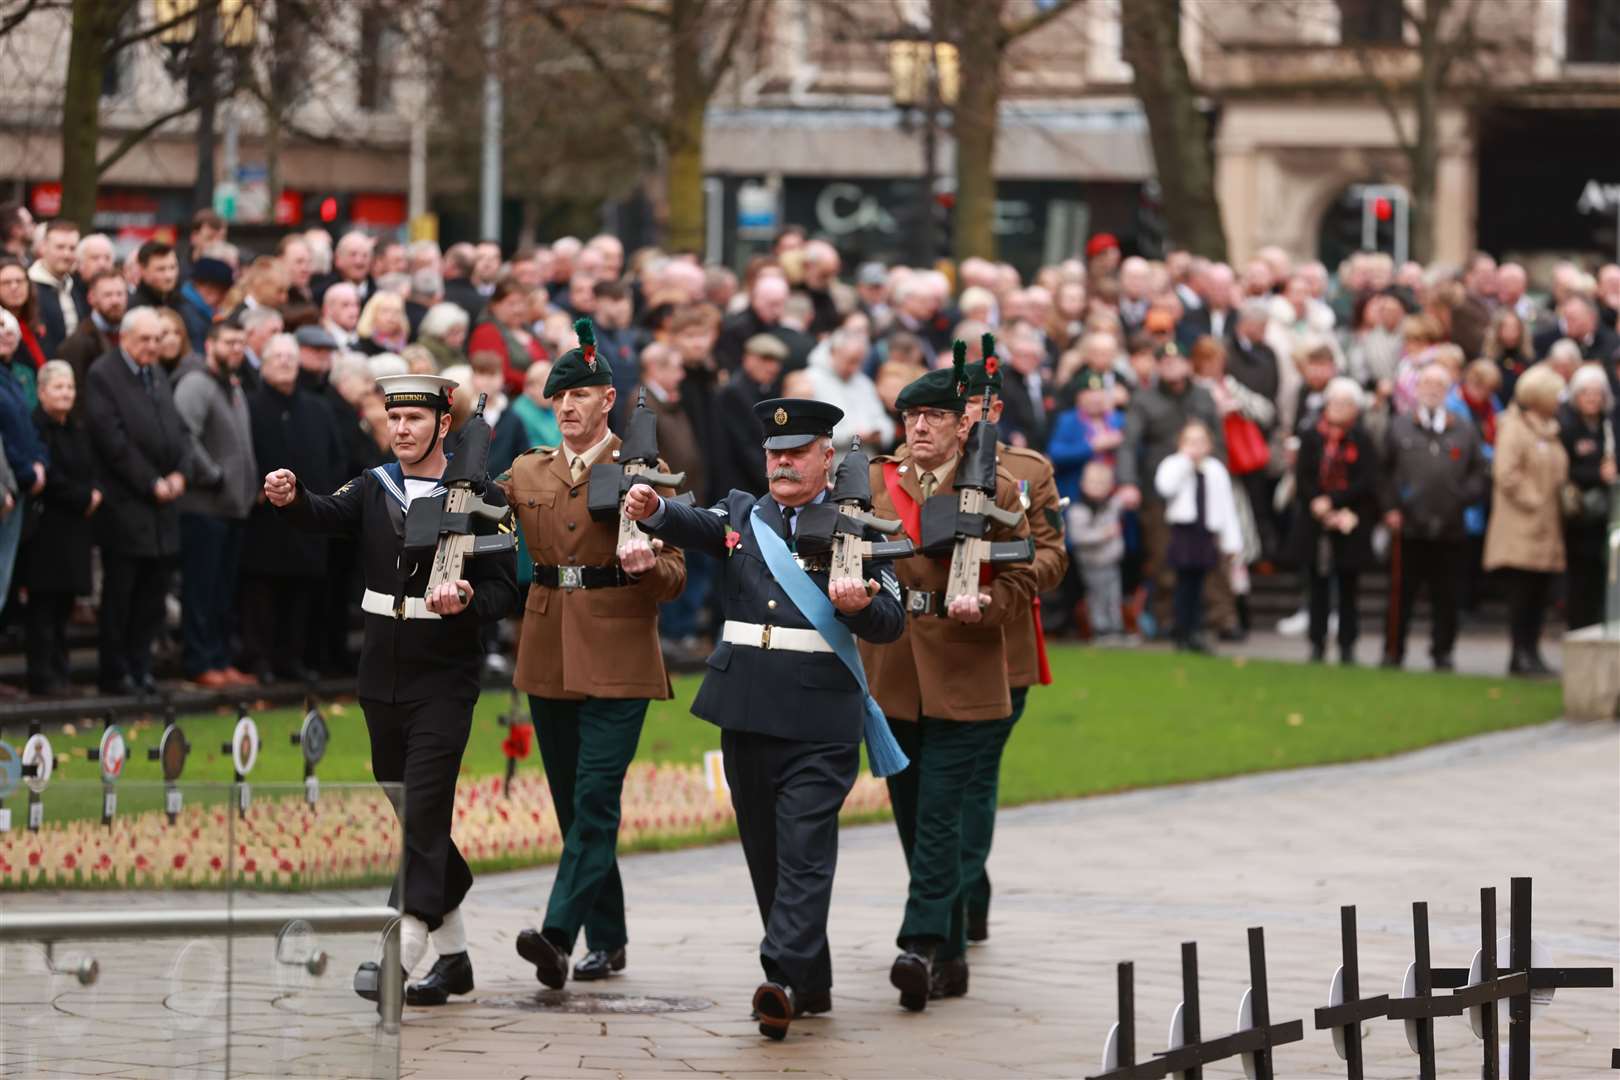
(589,660)
(1026,645)
(943,684)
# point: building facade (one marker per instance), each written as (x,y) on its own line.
(809,132)
(339,151)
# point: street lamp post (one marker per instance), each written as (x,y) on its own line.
(205,38)
(923,75)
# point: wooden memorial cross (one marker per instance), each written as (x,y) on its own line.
(1517,983)
(1352,1009)
(1119,1055)
(1421,1007)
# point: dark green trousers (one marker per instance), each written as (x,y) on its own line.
(928,801)
(586,747)
(979,815)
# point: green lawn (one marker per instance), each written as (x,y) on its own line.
(1112,720)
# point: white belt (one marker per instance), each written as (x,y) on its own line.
(773,637)
(376,603)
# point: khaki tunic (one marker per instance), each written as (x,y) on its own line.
(1045,516)
(939,667)
(585,642)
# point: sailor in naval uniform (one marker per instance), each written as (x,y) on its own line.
(786,687)
(419,664)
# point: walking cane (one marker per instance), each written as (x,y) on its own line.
(1392,619)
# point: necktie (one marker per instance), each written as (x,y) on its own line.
(577,469)
(788,514)
(929,481)
(146,381)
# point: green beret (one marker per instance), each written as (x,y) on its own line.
(1090,380)
(937,389)
(581,366)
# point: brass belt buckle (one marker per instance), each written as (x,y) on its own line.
(571,577)
(399,608)
(765,637)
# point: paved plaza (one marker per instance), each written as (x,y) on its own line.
(1079,886)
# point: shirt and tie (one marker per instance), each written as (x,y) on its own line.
(579,464)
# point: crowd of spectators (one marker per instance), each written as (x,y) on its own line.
(1207,423)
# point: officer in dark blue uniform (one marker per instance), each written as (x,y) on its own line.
(419,665)
(790,707)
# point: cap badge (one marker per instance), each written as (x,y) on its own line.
(780,416)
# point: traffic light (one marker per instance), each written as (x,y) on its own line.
(326,208)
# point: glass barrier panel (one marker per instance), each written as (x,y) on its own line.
(192,997)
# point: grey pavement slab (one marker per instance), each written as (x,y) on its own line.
(1079,886)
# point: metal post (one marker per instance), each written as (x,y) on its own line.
(1519,960)
(925,228)
(201,82)
(1351,986)
(1487,973)
(1127,1014)
(489,203)
(417,198)
(391,987)
(1192,1027)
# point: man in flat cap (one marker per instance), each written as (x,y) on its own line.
(419,665)
(787,689)
(736,462)
(943,684)
(589,659)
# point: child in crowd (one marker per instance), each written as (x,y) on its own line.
(1097,543)
(1204,528)
(1092,431)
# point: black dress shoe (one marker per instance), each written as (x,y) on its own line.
(368,981)
(1536,665)
(1519,665)
(451,974)
(599,964)
(812,1003)
(1318,654)
(978,927)
(1444,663)
(950,979)
(912,974)
(775,1007)
(145,684)
(550,962)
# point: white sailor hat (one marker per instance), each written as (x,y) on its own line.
(429,391)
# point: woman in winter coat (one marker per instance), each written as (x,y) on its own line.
(1336,487)
(55,562)
(1525,537)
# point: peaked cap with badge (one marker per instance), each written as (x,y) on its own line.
(794,422)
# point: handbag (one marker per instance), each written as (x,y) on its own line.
(1589,504)
(1246,449)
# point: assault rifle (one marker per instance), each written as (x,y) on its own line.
(450,521)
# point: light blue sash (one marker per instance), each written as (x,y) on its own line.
(882,752)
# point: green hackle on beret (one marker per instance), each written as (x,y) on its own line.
(959,365)
(581,366)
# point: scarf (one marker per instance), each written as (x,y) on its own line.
(1484,413)
(1338,454)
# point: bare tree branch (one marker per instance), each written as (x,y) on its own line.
(1034,22)
(722,59)
(655,117)
(15,19)
(134,138)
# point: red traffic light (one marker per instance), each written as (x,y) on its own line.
(329,209)
(1383,210)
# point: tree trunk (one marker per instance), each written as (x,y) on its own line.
(81,111)
(683,139)
(975,27)
(1183,159)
